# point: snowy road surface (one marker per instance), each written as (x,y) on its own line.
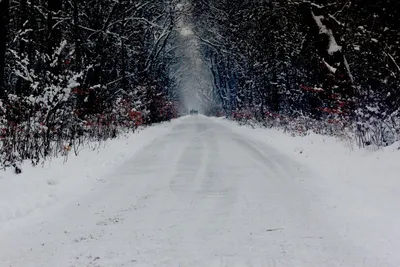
(203,195)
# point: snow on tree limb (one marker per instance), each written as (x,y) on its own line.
(330,68)
(333,46)
(346,64)
(393,60)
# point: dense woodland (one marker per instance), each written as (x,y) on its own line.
(329,66)
(76,71)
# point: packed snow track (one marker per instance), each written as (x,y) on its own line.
(203,195)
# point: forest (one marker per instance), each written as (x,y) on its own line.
(75,72)
(326,66)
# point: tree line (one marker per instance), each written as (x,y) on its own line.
(76,71)
(335,62)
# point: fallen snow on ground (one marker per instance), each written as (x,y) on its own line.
(362,186)
(206,192)
(60,180)
(337,160)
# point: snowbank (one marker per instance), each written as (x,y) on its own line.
(362,179)
(360,188)
(331,157)
(59,181)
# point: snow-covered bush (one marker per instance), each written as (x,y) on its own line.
(71,79)
(298,125)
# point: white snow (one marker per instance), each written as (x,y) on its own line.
(186,31)
(316,5)
(333,46)
(346,64)
(331,69)
(58,53)
(313,4)
(205,192)
(60,181)
(338,22)
(319,89)
(393,60)
(358,188)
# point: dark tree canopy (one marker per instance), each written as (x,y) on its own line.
(320,59)
(72,70)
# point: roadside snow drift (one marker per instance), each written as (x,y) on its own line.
(61,180)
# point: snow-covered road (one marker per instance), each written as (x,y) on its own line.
(203,195)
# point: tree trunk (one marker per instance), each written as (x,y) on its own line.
(77,37)
(53,34)
(4,6)
(123,57)
(25,44)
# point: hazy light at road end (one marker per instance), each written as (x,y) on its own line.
(186,31)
